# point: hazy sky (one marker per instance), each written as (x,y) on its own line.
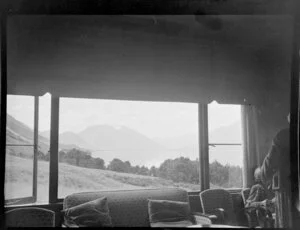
(153,119)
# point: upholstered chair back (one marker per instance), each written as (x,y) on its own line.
(30,217)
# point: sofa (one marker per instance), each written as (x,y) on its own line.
(129,208)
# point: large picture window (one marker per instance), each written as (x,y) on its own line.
(113,145)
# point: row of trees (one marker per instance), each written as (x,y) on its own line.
(181,169)
(76,157)
(184,170)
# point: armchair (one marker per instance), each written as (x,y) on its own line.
(218,204)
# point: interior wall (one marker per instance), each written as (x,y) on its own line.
(134,61)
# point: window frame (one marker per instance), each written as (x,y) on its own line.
(204,177)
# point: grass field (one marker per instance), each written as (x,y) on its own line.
(18,180)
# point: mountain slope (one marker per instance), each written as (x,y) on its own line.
(20,134)
(17,133)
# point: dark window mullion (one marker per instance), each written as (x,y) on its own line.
(203,146)
(53,164)
(3,85)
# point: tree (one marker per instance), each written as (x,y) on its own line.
(153,171)
(75,154)
(219,174)
(40,155)
(78,155)
(179,170)
(235,177)
(135,169)
(99,163)
(47,156)
(118,165)
(144,171)
(61,155)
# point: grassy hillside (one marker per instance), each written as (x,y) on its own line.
(18,179)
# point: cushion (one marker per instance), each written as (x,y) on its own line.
(166,213)
(178,224)
(94,213)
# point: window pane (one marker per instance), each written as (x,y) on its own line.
(224,123)
(225,150)
(18,172)
(111,145)
(19,147)
(20,118)
(226,166)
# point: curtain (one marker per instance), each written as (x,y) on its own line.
(251,154)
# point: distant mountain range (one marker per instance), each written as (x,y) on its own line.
(189,142)
(108,142)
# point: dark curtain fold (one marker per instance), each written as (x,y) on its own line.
(251,152)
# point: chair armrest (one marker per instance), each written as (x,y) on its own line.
(252,214)
(220,213)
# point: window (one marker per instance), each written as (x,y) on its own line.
(225,145)
(26,169)
(111,144)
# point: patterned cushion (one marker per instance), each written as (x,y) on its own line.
(176,224)
(128,208)
(166,210)
(204,220)
(90,214)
